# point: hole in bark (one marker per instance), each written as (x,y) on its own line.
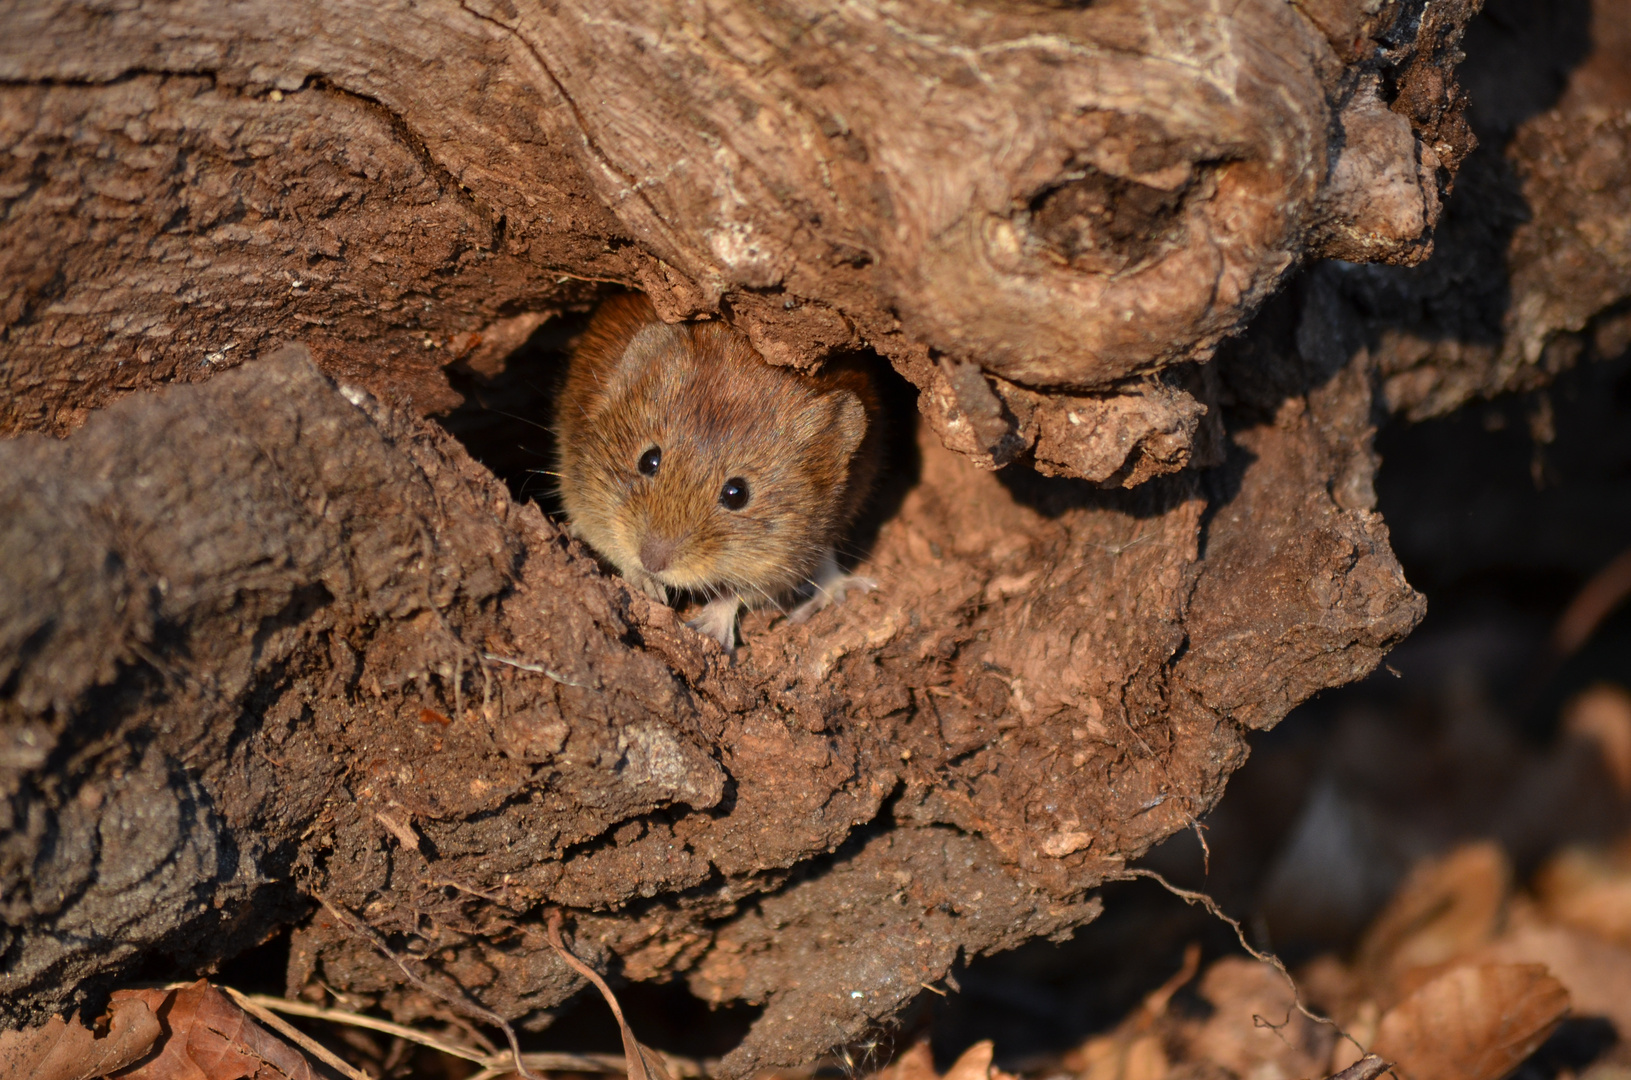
(665,1015)
(505,419)
(505,423)
(261,970)
(1102,224)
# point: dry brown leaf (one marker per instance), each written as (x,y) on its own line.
(1134,1051)
(1596,974)
(1445,909)
(917,1063)
(1474,1022)
(1360,1027)
(1255,1023)
(1368,1067)
(1601,714)
(1332,983)
(1115,1057)
(973,1064)
(208,1037)
(61,1050)
(1589,890)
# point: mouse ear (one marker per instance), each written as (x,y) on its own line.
(849,417)
(646,348)
(621,343)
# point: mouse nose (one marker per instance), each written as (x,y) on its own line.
(656,552)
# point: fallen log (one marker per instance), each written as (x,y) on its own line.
(276,637)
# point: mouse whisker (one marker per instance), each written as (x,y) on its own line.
(705,400)
(768,598)
(513,416)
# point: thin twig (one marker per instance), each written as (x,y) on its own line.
(1206,849)
(486,689)
(1156,1002)
(1201,899)
(458,690)
(635,1054)
(497,1064)
(363,930)
(539,669)
(1368,1067)
(493,898)
(1606,590)
(351,1019)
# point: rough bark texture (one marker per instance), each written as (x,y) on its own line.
(1533,266)
(1065,197)
(276,636)
(250,623)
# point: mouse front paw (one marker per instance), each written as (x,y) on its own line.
(717,619)
(833,593)
(831,586)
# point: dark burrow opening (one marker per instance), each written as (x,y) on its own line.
(505,419)
(506,424)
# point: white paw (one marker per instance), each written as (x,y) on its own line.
(717,619)
(831,586)
(832,593)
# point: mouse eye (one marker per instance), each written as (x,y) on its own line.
(734,495)
(649,461)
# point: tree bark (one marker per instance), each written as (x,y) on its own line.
(276,636)
(1067,198)
(265,637)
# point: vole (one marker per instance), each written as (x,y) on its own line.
(695,466)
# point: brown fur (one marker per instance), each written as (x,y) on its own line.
(808,446)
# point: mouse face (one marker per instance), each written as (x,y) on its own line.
(690,462)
